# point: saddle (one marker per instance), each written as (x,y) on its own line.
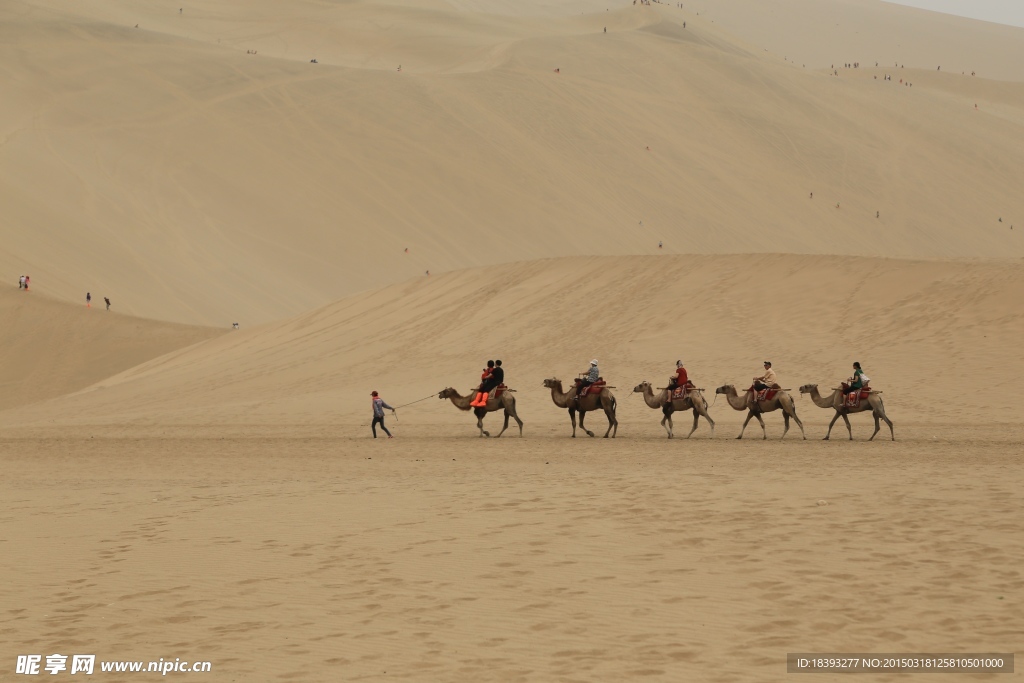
(497,391)
(853,399)
(681,392)
(595,388)
(765,394)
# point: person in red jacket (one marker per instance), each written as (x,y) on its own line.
(680,380)
(480,400)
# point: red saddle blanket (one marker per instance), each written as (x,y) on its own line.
(764,394)
(855,397)
(681,392)
(498,391)
(595,388)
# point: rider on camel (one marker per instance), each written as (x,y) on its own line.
(855,383)
(592,375)
(680,379)
(480,400)
(767,380)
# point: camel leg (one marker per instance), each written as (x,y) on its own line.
(764,431)
(703,409)
(583,414)
(696,416)
(750,414)
(515,416)
(504,427)
(667,419)
(785,423)
(834,420)
(613,420)
(878,427)
(572,417)
(798,422)
(480,424)
(879,412)
(848,427)
(510,410)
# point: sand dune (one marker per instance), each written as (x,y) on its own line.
(820,34)
(52,348)
(200,184)
(924,330)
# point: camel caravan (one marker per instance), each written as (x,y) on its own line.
(590,392)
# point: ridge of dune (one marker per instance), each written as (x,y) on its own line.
(821,34)
(919,327)
(51,347)
(199,184)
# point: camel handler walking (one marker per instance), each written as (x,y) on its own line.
(378,414)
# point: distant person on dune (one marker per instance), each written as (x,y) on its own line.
(21,282)
(107,301)
(27,281)
(378,414)
(88,300)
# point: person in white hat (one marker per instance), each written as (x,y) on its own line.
(588,377)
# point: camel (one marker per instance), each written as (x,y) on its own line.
(746,402)
(605,401)
(873,403)
(506,402)
(661,400)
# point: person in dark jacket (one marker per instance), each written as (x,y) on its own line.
(378,414)
(498,376)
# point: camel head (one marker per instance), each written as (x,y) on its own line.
(642,387)
(446,393)
(552,383)
(808,388)
(725,389)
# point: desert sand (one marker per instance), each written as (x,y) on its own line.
(530,187)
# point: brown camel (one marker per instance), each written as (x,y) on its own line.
(604,401)
(873,403)
(506,402)
(661,400)
(755,408)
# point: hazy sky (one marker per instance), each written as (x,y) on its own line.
(999,11)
